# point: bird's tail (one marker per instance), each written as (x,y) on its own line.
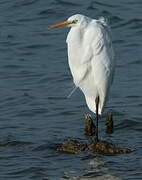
(92,105)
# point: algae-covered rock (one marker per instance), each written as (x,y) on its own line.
(90,128)
(103,147)
(72,146)
(109,124)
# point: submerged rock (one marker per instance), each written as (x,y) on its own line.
(101,147)
(72,146)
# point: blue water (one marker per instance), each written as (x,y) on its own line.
(35,80)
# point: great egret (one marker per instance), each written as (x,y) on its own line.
(91,59)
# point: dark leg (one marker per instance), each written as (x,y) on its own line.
(97,117)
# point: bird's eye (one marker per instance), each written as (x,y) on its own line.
(75,21)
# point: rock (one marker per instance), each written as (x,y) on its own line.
(109,124)
(101,147)
(90,128)
(72,146)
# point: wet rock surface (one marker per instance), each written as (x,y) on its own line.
(101,147)
(72,146)
(109,123)
(90,128)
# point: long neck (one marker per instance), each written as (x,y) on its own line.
(74,37)
(75,51)
(74,42)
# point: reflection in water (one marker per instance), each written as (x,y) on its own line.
(97,170)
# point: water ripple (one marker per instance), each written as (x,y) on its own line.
(35,115)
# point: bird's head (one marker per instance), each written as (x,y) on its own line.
(73,21)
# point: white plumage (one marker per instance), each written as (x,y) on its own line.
(91,58)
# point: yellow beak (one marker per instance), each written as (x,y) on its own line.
(62,24)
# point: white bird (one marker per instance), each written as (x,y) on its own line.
(91,59)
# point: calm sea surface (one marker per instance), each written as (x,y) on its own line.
(35,114)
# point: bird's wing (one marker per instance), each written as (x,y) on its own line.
(99,54)
(97,38)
